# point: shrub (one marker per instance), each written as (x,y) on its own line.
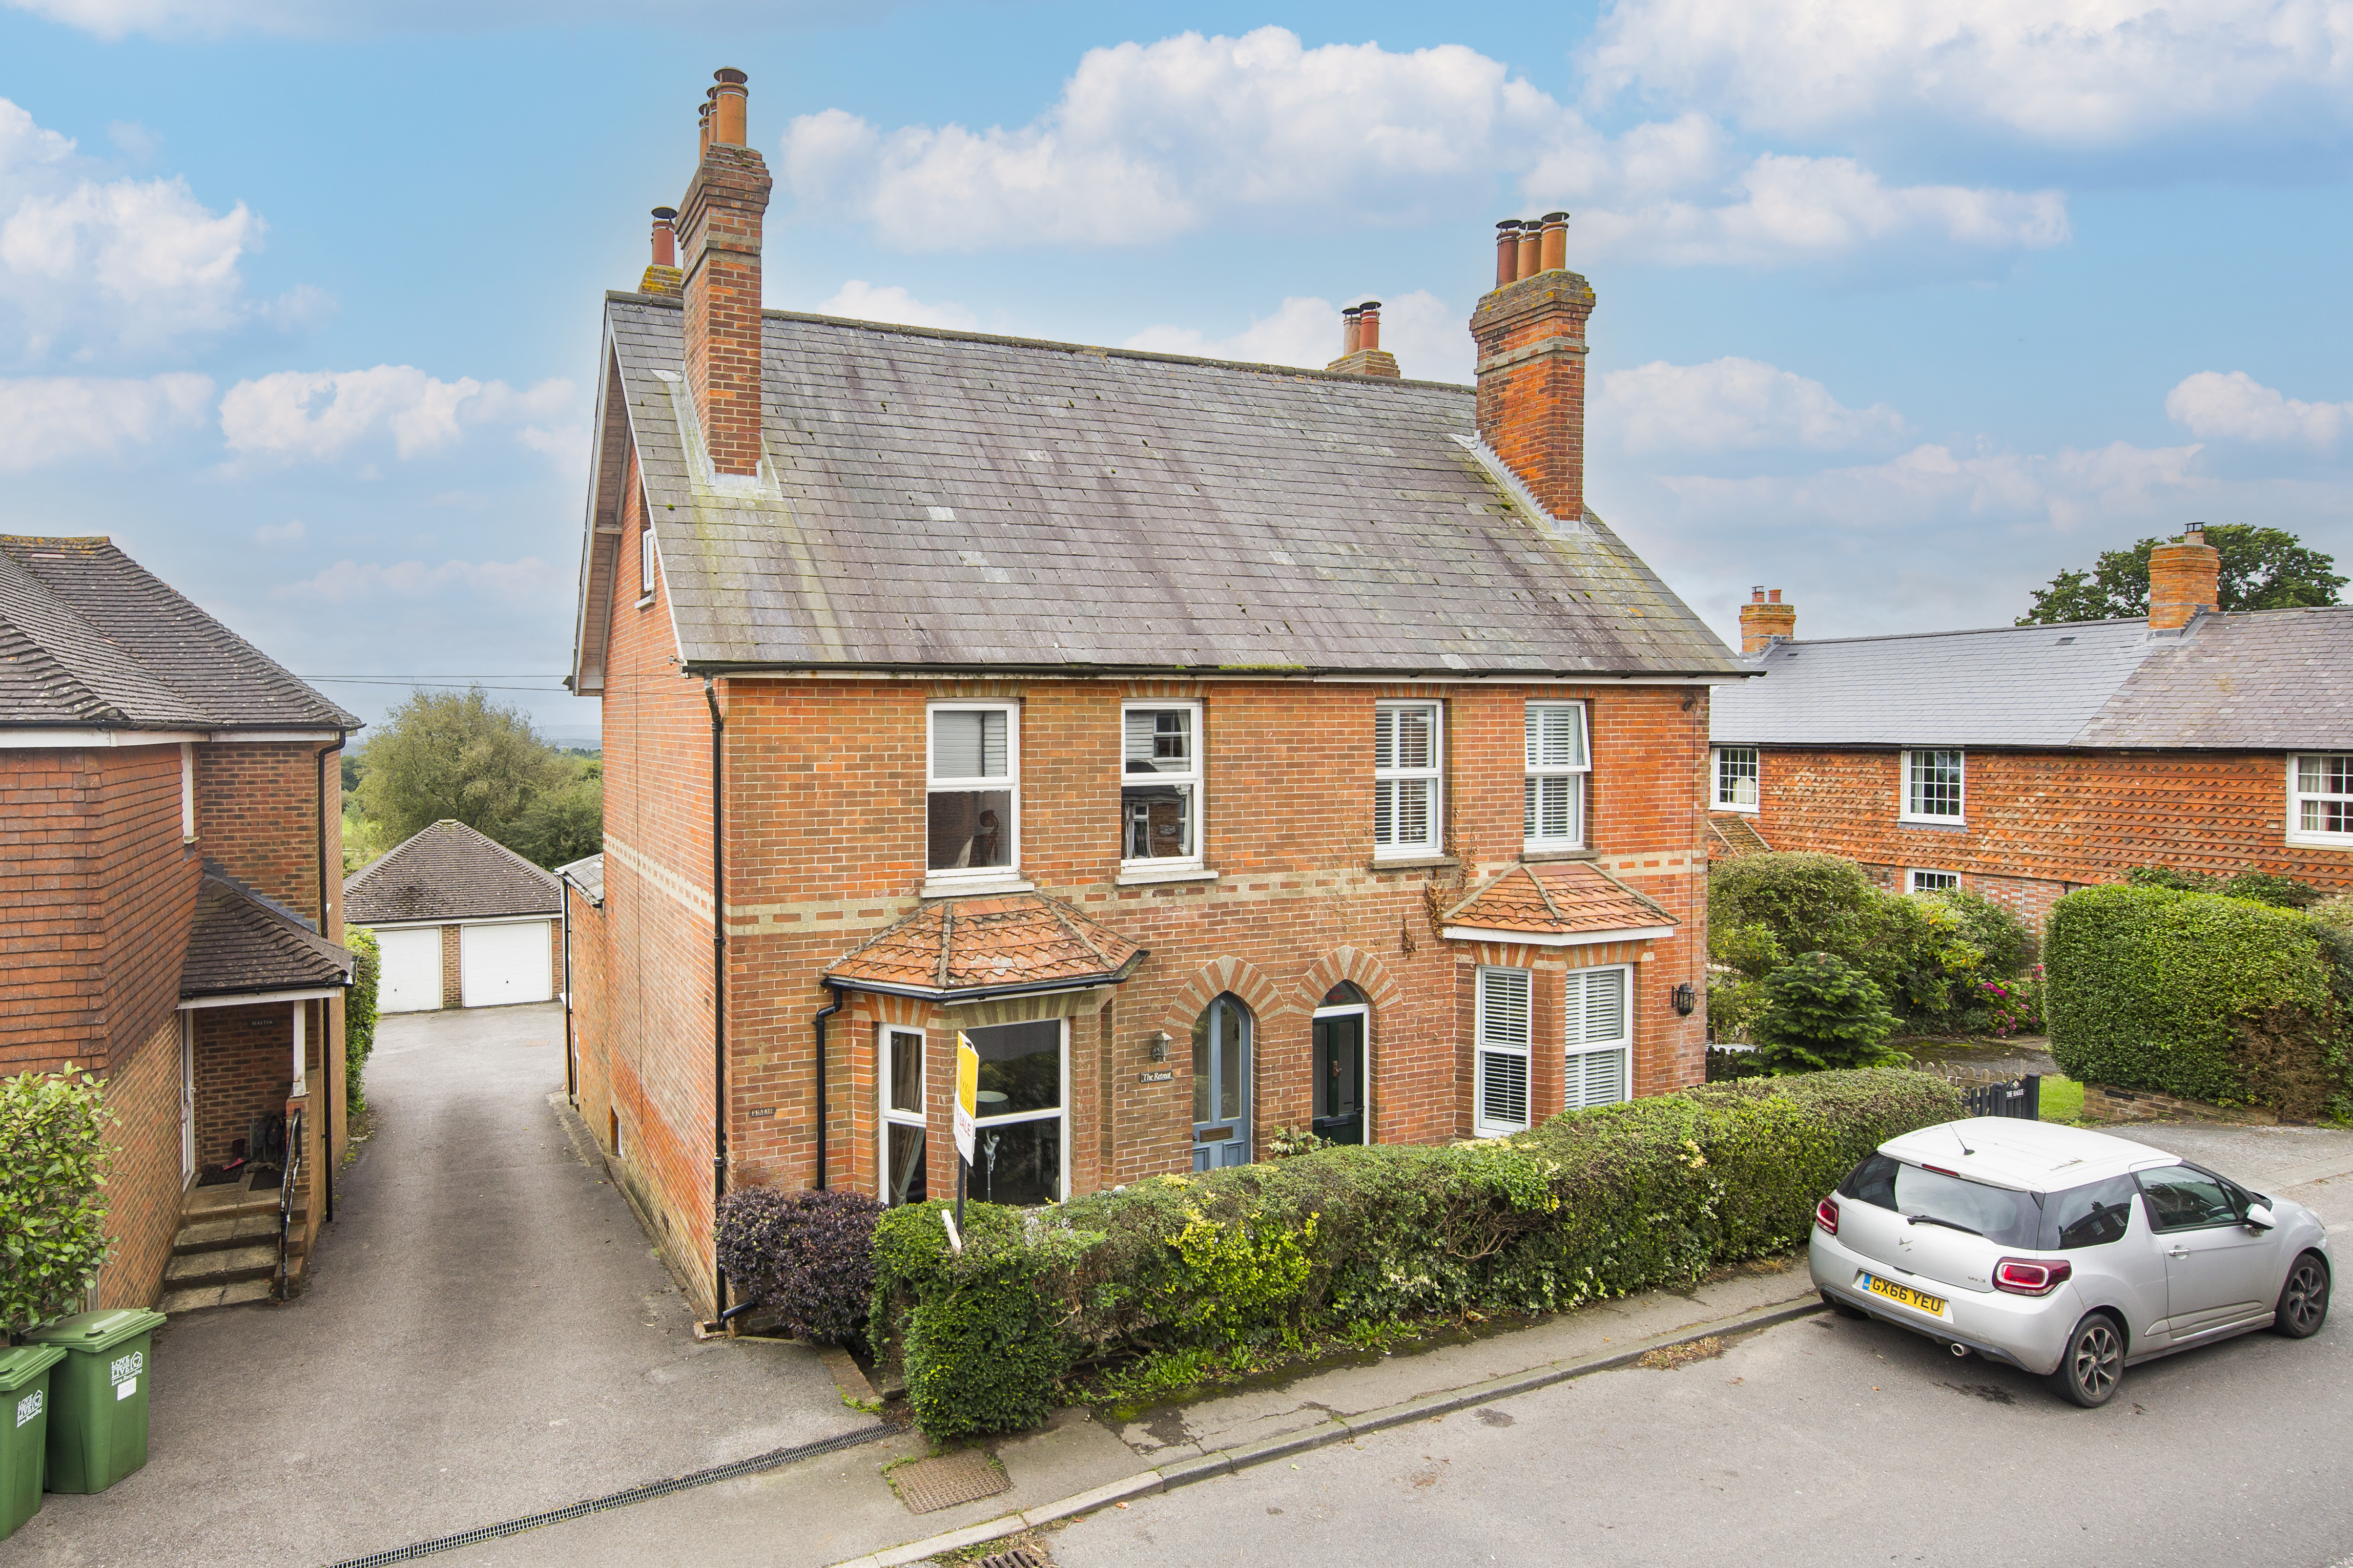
(359,1014)
(2262,886)
(808,1256)
(1820,1012)
(1592,1204)
(2008,946)
(2153,988)
(52,1204)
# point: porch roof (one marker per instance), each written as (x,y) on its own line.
(1557,902)
(965,950)
(241,941)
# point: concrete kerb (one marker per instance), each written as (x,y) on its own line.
(1339,1429)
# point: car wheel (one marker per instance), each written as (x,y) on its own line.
(2095,1362)
(1842,1308)
(2303,1299)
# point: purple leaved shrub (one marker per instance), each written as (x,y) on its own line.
(808,1256)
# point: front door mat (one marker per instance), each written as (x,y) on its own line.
(965,1476)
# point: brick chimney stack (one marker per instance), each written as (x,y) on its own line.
(719,220)
(1360,343)
(1530,333)
(2184,578)
(662,276)
(1766,620)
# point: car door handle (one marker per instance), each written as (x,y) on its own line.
(2178,1252)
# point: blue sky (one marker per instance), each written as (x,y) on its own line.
(1903,307)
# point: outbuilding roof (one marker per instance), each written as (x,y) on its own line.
(2249,680)
(448,872)
(937,499)
(962,950)
(241,941)
(90,637)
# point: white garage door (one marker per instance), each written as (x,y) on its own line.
(503,964)
(409,980)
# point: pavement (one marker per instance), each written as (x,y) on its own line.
(486,1333)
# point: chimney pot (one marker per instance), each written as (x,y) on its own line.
(665,237)
(1530,246)
(1552,243)
(1507,251)
(729,105)
(1766,620)
(1774,597)
(1351,332)
(1368,324)
(1756,595)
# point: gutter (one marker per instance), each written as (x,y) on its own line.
(718,996)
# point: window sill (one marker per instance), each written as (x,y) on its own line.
(931,889)
(644,599)
(1743,810)
(1415,863)
(2320,840)
(1931,822)
(1143,874)
(1533,853)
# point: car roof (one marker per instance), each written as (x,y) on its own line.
(2029,1156)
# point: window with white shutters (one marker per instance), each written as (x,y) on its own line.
(1600,1036)
(1502,1052)
(1406,757)
(1556,761)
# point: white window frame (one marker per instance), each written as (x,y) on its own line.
(885,1116)
(1756,780)
(1433,843)
(2298,797)
(1499,1045)
(974,876)
(648,562)
(1581,1041)
(1193,780)
(1912,883)
(1536,770)
(1905,801)
(1060,1113)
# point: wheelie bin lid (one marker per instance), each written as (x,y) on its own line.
(97,1332)
(20,1364)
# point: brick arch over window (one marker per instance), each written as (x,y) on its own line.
(1356,966)
(1212,980)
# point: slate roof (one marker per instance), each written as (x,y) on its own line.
(448,872)
(88,637)
(1557,899)
(966,948)
(2256,680)
(587,873)
(242,941)
(938,500)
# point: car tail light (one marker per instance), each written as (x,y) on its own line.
(2031,1276)
(1826,1216)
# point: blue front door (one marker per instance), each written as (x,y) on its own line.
(1221,1078)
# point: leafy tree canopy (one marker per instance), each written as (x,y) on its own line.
(459,756)
(2262,569)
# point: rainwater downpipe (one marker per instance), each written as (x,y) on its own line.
(327,1101)
(571,1063)
(718,999)
(824,1012)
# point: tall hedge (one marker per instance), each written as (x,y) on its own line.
(2194,994)
(359,1013)
(53,1160)
(1589,1205)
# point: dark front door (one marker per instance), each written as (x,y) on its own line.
(1340,1077)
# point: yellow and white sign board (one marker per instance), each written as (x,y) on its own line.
(967,1094)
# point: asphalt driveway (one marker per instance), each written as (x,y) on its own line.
(487,1334)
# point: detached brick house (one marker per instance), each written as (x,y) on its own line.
(169,806)
(1221,747)
(2028,760)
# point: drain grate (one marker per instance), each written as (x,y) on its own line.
(1019,1557)
(965,1476)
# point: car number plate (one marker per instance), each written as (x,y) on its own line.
(1904,1294)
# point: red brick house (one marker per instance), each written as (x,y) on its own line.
(460,921)
(2026,760)
(1223,748)
(169,807)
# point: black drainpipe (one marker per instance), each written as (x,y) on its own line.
(327,1106)
(571,1067)
(827,1011)
(718,1000)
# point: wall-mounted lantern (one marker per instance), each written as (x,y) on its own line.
(1686,999)
(1160,1040)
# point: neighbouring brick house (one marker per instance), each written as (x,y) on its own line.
(460,921)
(2027,760)
(169,805)
(1222,747)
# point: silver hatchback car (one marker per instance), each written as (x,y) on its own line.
(2069,1253)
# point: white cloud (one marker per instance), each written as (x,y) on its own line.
(526,583)
(2238,407)
(1431,340)
(2090,73)
(863,301)
(1150,141)
(1732,405)
(64,419)
(280,532)
(317,415)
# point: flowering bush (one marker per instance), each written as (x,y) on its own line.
(2013,1006)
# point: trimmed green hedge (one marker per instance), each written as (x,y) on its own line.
(1589,1205)
(2194,994)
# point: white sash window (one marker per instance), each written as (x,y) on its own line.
(1406,769)
(1556,761)
(1502,1102)
(1600,1035)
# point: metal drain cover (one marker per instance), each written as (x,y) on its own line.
(1019,1557)
(965,1476)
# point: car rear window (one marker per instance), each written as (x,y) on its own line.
(2005,1217)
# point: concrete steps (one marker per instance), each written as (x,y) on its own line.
(226,1253)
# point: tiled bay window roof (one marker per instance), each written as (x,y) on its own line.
(1557,903)
(968,949)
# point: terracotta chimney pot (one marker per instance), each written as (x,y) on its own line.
(2184,578)
(729,110)
(1531,250)
(1352,335)
(1508,252)
(1552,243)
(665,237)
(1368,323)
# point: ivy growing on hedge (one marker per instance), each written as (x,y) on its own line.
(2198,994)
(1589,1205)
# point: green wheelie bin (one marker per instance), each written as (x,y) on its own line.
(98,1396)
(23,1431)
